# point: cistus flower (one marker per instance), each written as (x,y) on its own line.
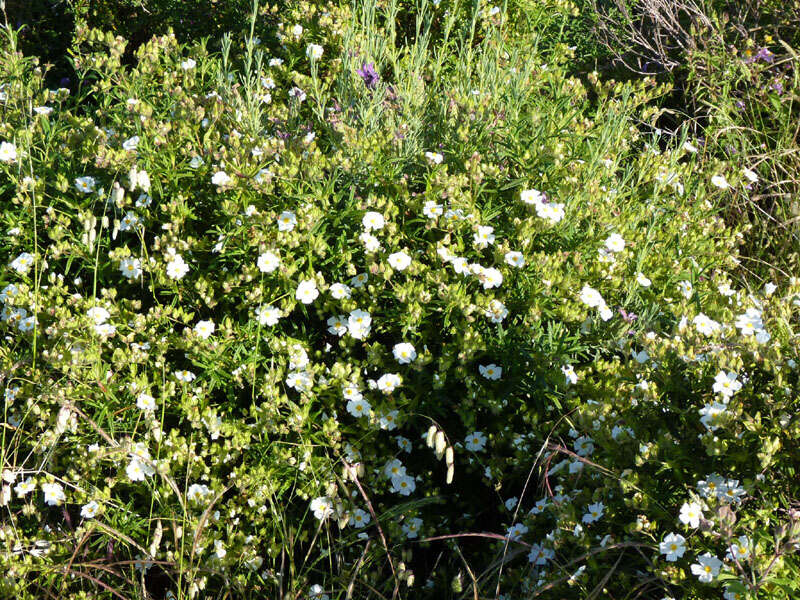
(8,152)
(369,75)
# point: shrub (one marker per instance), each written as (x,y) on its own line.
(365,318)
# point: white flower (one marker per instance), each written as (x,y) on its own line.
(533,197)
(491,278)
(615,243)
(268,314)
(584,446)
(316,592)
(339,291)
(750,322)
(750,175)
(337,325)
(23,488)
(53,494)
(431,209)
(89,510)
(539,555)
(204,329)
(515,259)
(673,545)
(475,441)
(23,263)
(389,382)
(359,518)
(85,184)
(762,336)
(731,491)
(130,268)
(404,444)
(359,407)
(143,201)
(491,371)
(550,211)
(539,507)
(516,531)
(373,221)
(707,567)
(483,237)
(297,30)
(8,152)
(642,280)
(569,374)
(268,262)
(131,143)
(434,158)
(307,291)
(176,267)
(220,178)
(286,221)
(145,402)
(739,550)
(371,243)
(197,493)
(188,64)
(389,420)
(690,514)
(712,415)
(711,486)
(394,468)
(314,51)
(496,311)
(358,324)
(720,182)
(322,507)
(404,353)
(8,292)
(196,162)
(399,261)
(300,381)
(137,470)
(726,384)
(705,325)
(219,549)
(411,527)
(403,484)
(593,512)
(591,297)
(27,324)
(129,221)
(689,147)
(185,376)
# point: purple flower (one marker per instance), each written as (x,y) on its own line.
(368,73)
(763,54)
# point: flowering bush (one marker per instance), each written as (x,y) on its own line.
(367,319)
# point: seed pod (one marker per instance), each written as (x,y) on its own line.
(440,444)
(448,456)
(159,531)
(429,438)
(450,472)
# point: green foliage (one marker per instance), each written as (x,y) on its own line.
(393,307)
